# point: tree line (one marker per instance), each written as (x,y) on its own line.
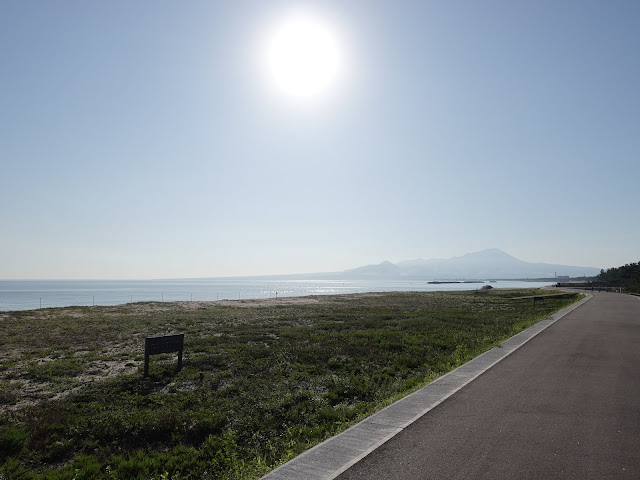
(627,276)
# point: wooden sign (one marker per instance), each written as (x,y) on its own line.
(158,345)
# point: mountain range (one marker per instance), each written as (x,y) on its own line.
(487,264)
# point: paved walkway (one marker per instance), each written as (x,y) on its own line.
(564,406)
(598,342)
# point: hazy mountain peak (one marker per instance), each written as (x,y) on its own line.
(490,253)
(491,263)
(385,268)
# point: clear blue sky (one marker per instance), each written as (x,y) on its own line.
(141,140)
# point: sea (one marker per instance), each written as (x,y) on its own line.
(35,294)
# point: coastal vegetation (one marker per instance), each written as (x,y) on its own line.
(626,276)
(262,380)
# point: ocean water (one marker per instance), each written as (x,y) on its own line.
(33,294)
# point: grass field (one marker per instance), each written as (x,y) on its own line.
(262,380)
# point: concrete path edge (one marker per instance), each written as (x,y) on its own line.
(335,455)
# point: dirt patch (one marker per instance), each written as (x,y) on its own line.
(267,302)
(111,361)
(254,302)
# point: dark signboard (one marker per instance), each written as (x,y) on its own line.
(167,344)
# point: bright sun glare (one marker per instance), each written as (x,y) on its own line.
(303,57)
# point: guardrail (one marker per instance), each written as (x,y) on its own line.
(591,287)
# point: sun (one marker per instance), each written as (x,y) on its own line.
(303,57)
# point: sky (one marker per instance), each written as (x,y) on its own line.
(147,139)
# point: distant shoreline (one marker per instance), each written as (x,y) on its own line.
(34,295)
(436,282)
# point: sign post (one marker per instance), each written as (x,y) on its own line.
(167,344)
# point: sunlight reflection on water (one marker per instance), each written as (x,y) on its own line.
(32,294)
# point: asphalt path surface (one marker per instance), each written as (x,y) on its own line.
(566,405)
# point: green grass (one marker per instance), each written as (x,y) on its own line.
(277,377)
